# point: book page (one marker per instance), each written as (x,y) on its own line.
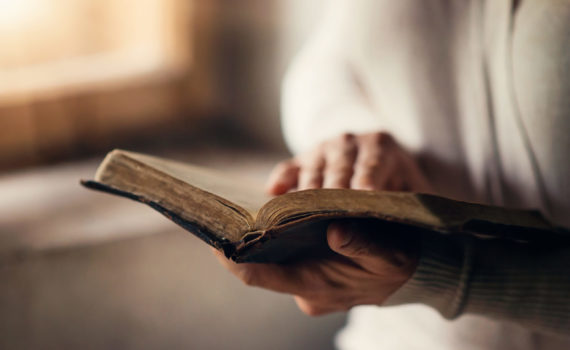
(400,206)
(239,191)
(422,210)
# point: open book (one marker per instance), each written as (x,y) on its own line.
(239,219)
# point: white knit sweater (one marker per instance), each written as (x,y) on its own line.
(480,91)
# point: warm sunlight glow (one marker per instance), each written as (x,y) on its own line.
(17,13)
(46,43)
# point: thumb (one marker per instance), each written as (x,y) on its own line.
(361,242)
(348,239)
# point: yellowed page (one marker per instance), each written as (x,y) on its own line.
(239,191)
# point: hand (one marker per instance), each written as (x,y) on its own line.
(373,161)
(371,264)
(369,267)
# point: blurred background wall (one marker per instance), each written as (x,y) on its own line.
(194,80)
(79,77)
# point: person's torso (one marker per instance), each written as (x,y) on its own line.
(481,93)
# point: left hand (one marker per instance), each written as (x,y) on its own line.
(368,268)
(370,161)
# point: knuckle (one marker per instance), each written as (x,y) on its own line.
(348,153)
(358,249)
(346,137)
(382,138)
(374,163)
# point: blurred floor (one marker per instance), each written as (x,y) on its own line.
(81,269)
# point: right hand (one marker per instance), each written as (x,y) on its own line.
(371,161)
(369,265)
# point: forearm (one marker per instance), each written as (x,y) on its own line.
(523,283)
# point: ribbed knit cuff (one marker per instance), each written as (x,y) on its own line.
(441,278)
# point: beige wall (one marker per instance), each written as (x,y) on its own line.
(259,38)
(228,59)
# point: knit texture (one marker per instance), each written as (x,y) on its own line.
(505,280)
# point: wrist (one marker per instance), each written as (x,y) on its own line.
(440,277)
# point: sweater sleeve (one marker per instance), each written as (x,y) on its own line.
(323,91)
(519,282)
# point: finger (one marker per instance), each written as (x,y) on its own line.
(375,162)
(362,242)
(310,308)
(353,241)
(283,177)
(311,171)
(343,239)
(278,278)
(339,159)
(396,183)
(415,179)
